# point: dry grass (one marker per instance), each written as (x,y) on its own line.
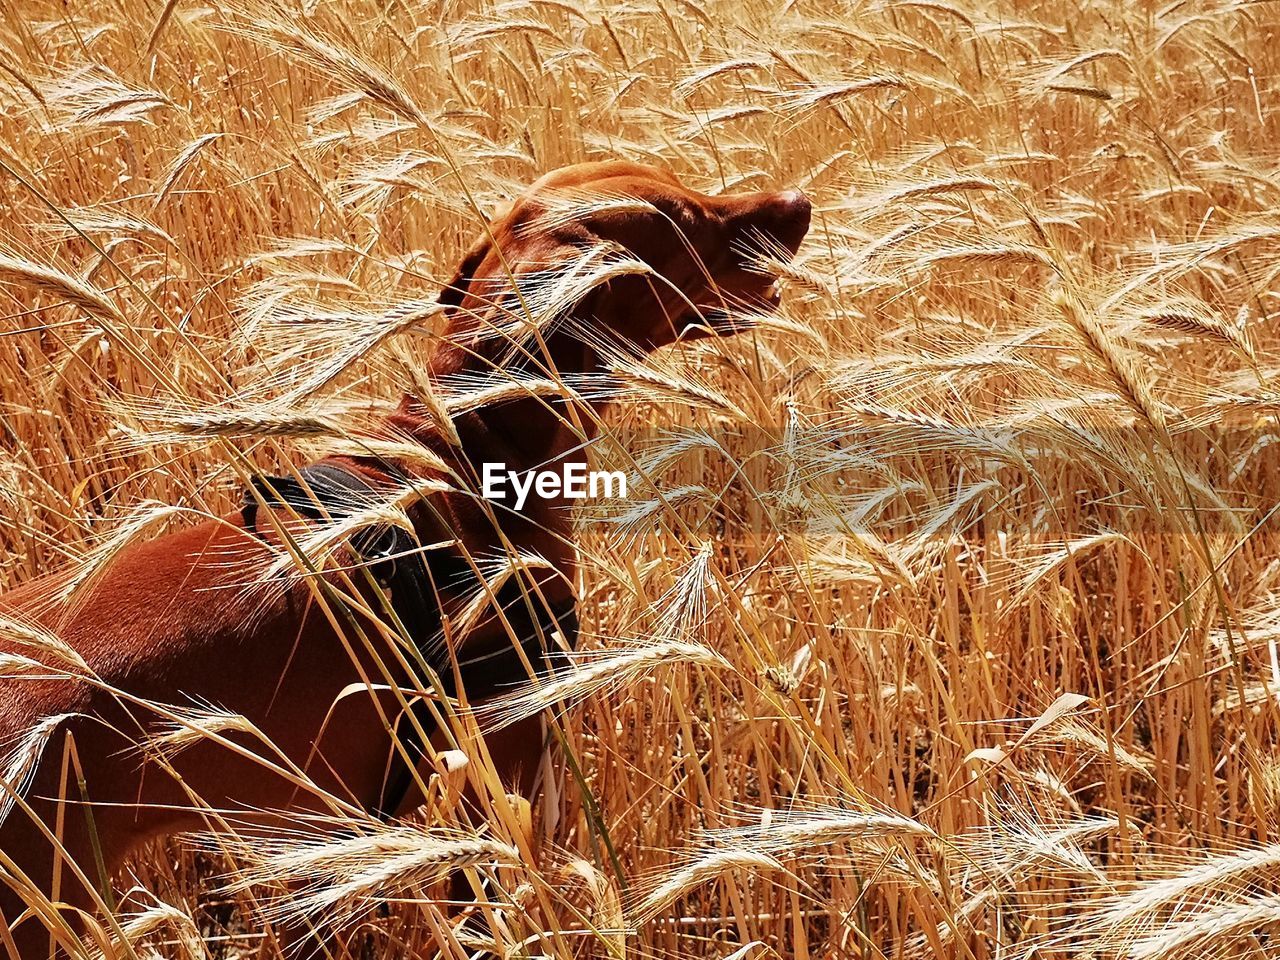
(1012,437)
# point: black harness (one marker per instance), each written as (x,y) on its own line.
(330,493)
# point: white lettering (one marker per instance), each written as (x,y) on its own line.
(574,482)
(522,490)
(575,477)
(609,477)
(493,475)
(548,484)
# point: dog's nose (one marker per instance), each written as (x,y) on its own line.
(796,201)
(785,217)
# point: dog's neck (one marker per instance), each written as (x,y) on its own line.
(525,432)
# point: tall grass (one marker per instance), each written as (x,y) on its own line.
(1012,437)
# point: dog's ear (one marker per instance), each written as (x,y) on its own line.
(483,271)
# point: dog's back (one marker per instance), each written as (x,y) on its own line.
(169,630)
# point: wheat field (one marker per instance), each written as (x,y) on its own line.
(941,619)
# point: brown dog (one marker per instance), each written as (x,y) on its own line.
(169,623)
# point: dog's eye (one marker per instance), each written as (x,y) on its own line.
(679,213)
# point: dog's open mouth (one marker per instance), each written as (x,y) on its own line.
(736,308)
(772,296)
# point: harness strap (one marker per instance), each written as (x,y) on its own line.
(329,492)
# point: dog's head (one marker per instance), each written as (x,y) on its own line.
(700,253)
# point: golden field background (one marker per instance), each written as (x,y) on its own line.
(970,547)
